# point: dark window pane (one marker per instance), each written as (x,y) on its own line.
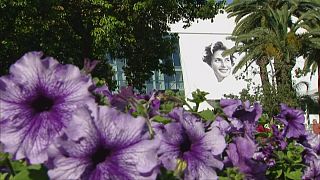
(176,59)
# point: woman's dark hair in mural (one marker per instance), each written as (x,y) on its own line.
(211,49)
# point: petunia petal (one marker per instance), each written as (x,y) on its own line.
(28,67)
(214,141)
(229,106)
(118,128)
(199,170)
(143,154)
(68,168)
(245,146)
(81,124)
(30,140)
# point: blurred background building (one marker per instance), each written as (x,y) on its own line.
(158,81)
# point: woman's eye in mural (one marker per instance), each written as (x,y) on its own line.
(218,60)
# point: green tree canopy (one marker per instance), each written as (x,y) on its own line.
(71,30)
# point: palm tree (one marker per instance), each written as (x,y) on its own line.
(261,33)
(267,42)
(250,18)
(310,40)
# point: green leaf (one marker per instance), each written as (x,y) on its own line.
(5,176)
(34,173)
(207,115)
(279,173)
(18,166)
(290,155)
(298,159)
(280,155)
(296,175)
(214,103)
(299,149)
(39,174)
(3,156)
(34,167)
(223,178)
(198,96)
(166,175)
(141,110)
(167,107)
(232,174)
(161,119)
(23,175)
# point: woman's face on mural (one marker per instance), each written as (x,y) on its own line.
(221,65)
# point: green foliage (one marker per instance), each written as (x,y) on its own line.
(21,170)
(166,175)
(231,174)
(166,107)
(170,100)
(197,98)
(100,98)
(273,97)
(307,103)
(311,43)
(105,72)
(207,115)
(70,31)
(32,173)
(161,119)
(288,164)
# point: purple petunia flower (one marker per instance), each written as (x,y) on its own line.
(241,154)
(265,154)
(222,124)
(312,171)
(37,100)
(242,111)
(278,138)
(293,120)
(176,114)
(122,99)
(186,141)
(314,141)
(154,106)
(103,90)
(311,143)
(153,103)
(112,145)
(242,116)
(235,124)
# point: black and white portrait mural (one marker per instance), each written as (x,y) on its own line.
(221,65)
(203,65)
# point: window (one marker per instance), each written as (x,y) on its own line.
(176,58)
(179,76)
(169,78)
